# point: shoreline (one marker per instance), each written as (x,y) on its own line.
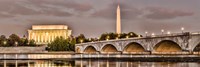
(196,59)
(111,57)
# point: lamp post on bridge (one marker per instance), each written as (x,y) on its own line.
(4,43)
(168,32)
(81,40)
(153,34)
(162,31)
(16,43)
(182,29)
(146,33)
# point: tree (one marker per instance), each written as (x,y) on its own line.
(81,39)
(32,43)
(13,39)
(123,35)
(112,35)
(132,34)
(106,36)
(3,40)
(72,44)
(103,36)
(23,42)
(61,44)
(2,37)
(92,39)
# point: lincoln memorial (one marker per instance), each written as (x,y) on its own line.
(43,34)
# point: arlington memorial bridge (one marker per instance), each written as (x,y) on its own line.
(180,43)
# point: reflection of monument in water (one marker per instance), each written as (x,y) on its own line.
(43,34)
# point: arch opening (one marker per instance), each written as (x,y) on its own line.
(167,46)
(197,48)
(109,48)
(134,47)
(90,49)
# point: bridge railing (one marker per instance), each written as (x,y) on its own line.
(198,32)
(166,35)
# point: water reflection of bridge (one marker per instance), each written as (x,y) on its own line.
(36,63)
(119,63)
(181,43)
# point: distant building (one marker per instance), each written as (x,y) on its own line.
(44,34)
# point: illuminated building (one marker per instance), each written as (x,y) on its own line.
(44,34)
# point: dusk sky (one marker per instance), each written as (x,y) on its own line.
(94,17)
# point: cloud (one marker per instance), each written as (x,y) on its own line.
(129,12)
(105,13)
(42,7)
(64,3)
(158,13)
(5,15)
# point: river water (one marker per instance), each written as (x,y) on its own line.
(92,63)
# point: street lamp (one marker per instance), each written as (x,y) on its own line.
(127,36)
(162,31)
(146,33)
(107,37)
(139,36)
(153,34)
(4,42)
(81,40)
(182,29)
(168,32)
(16,43)
(98,38)
(131,34)
(117,38)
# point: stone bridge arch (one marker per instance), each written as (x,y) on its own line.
(154,42)
(115,44)
(79,48)
(143,43)
(109,48)
(90,49)
(94,46)
(167,46)
(133,47)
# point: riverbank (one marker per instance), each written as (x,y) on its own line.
(39,53)
(72,55)
(25,49)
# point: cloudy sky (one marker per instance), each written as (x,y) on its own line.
(93,17)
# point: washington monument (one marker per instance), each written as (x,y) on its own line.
(118,24)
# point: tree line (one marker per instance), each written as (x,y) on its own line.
(15,40)
(61,44)
(106,36)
